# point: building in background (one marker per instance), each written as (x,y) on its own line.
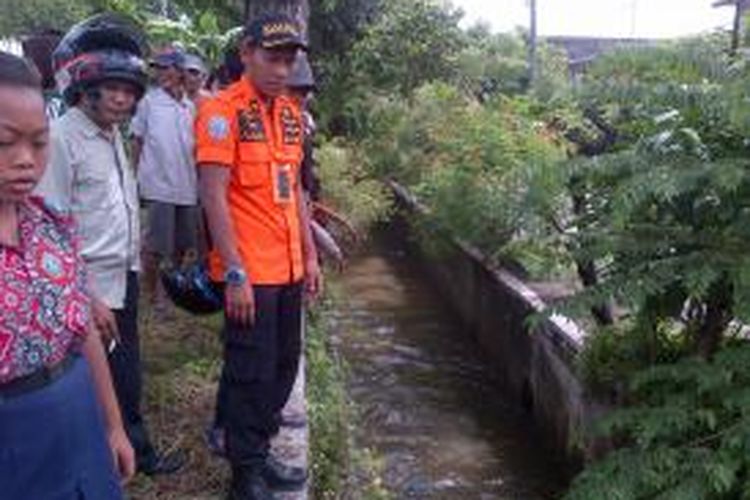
(582,51)
(11,45)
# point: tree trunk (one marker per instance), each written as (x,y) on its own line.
(586,268)
(737,27)
(299,9)
(716,319)
(603,313)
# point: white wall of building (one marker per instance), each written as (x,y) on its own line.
(11,45)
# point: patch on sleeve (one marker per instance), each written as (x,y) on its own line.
(218,128)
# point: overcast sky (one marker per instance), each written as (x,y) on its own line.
(615,18)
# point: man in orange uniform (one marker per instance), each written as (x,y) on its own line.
(249,148)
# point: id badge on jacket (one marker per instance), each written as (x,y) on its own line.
(282,183)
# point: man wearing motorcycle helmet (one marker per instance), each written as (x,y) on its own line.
(100,73)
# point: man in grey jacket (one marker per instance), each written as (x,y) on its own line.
(89,174)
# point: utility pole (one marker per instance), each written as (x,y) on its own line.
(740,6)
(737,25)
(533,70)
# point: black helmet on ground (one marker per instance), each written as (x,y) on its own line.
(190,288)
(104,47)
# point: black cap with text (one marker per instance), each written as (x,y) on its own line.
(275,31)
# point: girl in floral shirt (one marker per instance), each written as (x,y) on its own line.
(61,435)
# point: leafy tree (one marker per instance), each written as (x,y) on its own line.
(468,162)
(667,218)
(413,42)
(686,435)
(201,34)
(493,64)
(335,25)
(396,46)
(229,13)
(671,142)
(347,188)
(21,17)
(296,8)
(664,218)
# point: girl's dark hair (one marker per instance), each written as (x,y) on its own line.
(18,72)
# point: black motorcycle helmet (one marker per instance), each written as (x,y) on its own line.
(190,288)
(104,47)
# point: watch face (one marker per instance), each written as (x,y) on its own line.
(235,277)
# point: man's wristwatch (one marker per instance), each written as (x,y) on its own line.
(235,276)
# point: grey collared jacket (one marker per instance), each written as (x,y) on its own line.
(89,174)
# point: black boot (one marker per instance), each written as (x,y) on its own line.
(248,484)
(281,477)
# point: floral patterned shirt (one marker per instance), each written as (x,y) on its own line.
(44,307)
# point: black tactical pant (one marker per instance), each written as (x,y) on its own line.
(127,377)
(260,367)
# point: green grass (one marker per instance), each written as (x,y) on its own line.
(341,470)
(182,362)
(182,359)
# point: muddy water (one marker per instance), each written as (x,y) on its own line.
(427,400)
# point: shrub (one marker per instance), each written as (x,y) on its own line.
(347,187)
(686,435)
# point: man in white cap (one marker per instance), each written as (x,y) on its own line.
(163,145)
(195,79)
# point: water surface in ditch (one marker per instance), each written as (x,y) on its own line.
(428,402)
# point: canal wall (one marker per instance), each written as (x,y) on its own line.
(534,359)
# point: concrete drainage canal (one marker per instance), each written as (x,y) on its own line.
(428,401)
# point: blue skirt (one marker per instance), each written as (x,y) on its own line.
(53,444)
